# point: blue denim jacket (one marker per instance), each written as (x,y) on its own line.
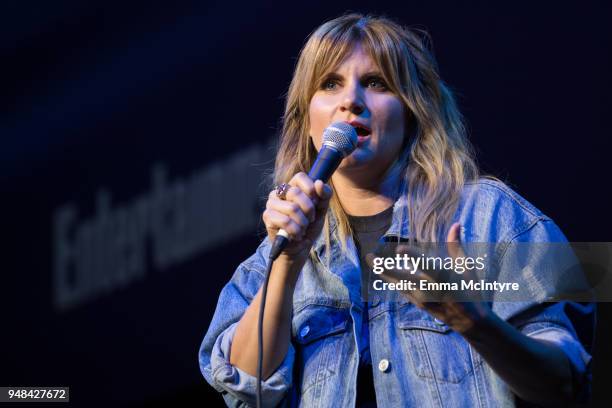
(418,361)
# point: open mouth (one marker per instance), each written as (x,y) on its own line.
(362,131)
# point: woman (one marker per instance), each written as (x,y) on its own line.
(411,176)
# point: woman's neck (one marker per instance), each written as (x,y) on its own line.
(365,197)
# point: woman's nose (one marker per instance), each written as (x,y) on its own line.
(352,101)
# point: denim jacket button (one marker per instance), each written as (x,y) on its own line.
(383,365)
(304,331)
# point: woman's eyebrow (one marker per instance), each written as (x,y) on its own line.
(373,73)
(334,74)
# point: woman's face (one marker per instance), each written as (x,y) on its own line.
(356,93)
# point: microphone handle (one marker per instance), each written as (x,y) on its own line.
(326,163)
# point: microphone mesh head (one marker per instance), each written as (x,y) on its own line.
(340,136)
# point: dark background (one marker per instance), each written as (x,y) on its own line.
(93,93)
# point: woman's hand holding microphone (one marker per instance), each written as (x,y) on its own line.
(299,208)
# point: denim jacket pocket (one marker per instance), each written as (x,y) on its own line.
(436,351)
(317,333)
(316,321)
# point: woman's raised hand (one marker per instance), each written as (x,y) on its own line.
(301,213)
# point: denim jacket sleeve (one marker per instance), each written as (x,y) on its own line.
(237,387)
(567,325)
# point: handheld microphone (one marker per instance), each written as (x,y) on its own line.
(339,140)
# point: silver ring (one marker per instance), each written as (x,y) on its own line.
(281,190)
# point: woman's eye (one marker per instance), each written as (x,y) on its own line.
(376,83)
(330,85)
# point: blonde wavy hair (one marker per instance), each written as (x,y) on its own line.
(436,160)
